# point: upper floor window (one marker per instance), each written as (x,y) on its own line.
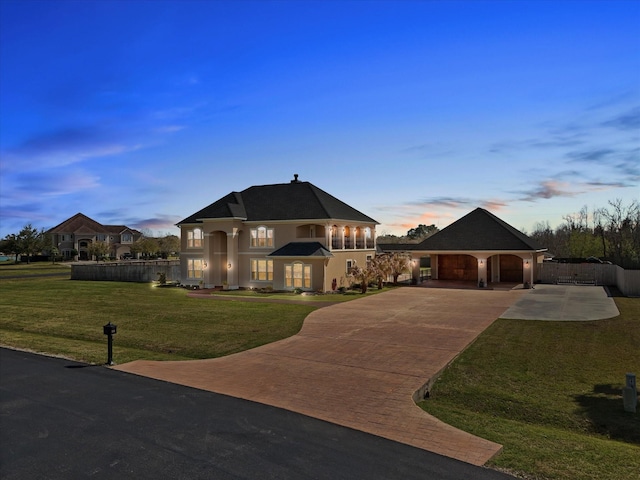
(262,237)
(67,237)
(126,238)
(101,237)
(195,238)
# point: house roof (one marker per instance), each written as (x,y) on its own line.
(478,230)
(302,249)
(80,223)
(296,200)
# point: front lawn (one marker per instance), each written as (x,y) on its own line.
(65,317)
(550,392)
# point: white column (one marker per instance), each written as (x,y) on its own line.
(482,272)
(232,259)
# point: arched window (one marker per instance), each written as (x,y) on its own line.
(195,238)
(262,237)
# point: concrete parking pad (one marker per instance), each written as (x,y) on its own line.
(563,303)
(359,364)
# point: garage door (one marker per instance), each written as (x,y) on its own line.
(510,268)
(457,267)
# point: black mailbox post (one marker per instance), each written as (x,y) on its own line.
(110,330)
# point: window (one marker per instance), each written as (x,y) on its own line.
(194,238)
(67,237)
(195,268)
(350,265)
(261,269)
(297,275)
(262,237)
(127,238)
(101,237)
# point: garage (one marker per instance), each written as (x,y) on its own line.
(482,248)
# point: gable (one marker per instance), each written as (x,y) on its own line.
(477,231)
(79,223)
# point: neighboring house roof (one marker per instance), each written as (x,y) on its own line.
(80,224)
(296,200)
(478,230)
(302,249)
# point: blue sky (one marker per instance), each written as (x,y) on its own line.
(143,112)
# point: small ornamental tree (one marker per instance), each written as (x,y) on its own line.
(399,263)
(362,275)
(99,250)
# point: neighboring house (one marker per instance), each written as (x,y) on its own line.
(482,248)
(283,236)
(74,237)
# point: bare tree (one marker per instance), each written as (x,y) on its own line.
(621,225)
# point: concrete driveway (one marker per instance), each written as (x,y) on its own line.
(563,303)
(360,364)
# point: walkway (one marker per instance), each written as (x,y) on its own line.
(360,364)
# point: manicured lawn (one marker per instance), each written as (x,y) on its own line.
(9,269)
(550,392)
(60,316)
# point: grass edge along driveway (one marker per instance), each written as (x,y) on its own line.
(550,393)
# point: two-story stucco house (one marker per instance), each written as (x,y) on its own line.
(285,236)
(74,237)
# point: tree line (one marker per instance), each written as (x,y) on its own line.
(610,233)
(30,241)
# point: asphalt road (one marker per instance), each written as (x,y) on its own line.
(65,420)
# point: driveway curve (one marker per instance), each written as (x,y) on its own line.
(360,364)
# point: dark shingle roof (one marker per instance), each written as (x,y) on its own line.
(479,230)
(284,201)
(302,249)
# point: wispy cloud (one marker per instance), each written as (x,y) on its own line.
(547,189)
(49,184)
(63,147)
(440,202)
(598,155)
(629,120)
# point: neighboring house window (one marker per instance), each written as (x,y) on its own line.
(297,275)
(126,238)
(67,237)
(261,269)
(194,238)
(101,237)
(262,237)
(195,268)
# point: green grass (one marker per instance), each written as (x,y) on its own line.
(10,269)
(60,316)
(550,392)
